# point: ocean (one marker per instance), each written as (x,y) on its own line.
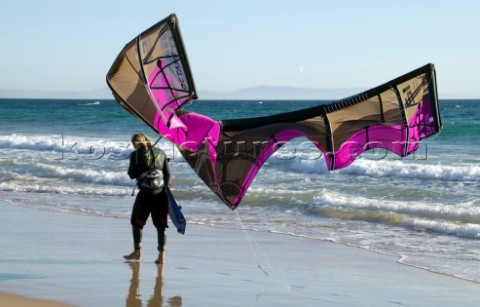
(72,156)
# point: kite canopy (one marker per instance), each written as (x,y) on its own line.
(151,79)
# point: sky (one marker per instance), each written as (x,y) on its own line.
(64,45)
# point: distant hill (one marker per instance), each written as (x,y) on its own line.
(282,93)
(254,93)
(103,93)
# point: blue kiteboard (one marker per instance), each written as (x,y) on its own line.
(175,213)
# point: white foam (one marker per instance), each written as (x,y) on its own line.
(461,220)
(468,230)
(396,168)
(94,103)
(75,147)
(62,172)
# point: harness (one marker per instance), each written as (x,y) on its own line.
(151,179)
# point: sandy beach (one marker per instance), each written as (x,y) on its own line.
(76,260)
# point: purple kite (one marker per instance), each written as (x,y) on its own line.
(151,78)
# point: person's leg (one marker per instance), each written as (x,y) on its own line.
(162,241)
(137,240)
(159,217)
(138,219)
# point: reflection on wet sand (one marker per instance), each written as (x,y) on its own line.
(134,298)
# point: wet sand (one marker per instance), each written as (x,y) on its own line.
(77,260)
(7,300)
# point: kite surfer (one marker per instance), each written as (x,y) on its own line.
(149,166)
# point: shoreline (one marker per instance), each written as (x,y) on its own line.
(76,260)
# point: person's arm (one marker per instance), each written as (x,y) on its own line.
(132,169)
(166,172)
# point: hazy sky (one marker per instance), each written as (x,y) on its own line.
(63,45)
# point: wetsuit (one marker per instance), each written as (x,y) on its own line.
(149,201)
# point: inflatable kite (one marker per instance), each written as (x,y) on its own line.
(151,78)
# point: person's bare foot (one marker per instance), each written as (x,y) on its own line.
(161,258)
(135,255)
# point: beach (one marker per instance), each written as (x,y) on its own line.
(76,260)
(383,231)
(72,156)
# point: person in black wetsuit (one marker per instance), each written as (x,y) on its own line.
(149,166)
